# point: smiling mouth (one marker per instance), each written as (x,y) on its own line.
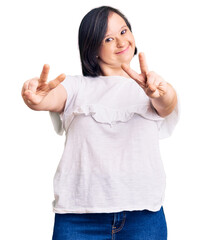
(123,51)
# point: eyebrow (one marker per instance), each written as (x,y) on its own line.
(119,30)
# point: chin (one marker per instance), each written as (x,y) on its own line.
(127,59)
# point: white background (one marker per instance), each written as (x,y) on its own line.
(44,31)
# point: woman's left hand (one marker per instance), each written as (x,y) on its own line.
(153,84)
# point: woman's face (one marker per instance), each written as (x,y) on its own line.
(118,45)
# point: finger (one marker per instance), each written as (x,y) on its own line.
(152,88)
(26,84)
(54,83)
(152,94)
(143,63)
(150,78)
(31,97)
(28,96)
(162,87)
(134,75)
(44,73)
(33,84)
(151,82)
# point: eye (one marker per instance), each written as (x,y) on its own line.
(108,40)
(124,31)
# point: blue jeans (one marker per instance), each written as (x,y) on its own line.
(126,225)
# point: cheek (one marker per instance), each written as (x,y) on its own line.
(105,51)
(131,38)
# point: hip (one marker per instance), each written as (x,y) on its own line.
(130,225)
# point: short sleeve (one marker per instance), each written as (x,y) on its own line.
(72,85)
(167,125)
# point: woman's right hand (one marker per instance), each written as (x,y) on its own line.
(36,89)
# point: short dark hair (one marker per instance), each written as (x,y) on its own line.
(92,30)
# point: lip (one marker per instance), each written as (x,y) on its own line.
(123,51)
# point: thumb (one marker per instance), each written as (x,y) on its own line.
(31,98)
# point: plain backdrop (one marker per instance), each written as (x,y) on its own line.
(44,31)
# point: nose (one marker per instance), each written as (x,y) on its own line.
(120,42)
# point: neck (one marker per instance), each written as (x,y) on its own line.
(109,71)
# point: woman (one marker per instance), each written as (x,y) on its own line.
(110,181)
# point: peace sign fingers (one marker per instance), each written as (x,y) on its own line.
(47,86)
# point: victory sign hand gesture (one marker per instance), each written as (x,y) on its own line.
(36,89)
(153,85)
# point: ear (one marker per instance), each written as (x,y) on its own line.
(135,51)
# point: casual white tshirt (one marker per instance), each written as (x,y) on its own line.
(111,160)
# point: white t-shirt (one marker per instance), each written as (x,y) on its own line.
(111,160)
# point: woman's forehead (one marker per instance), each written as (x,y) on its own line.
(115,23)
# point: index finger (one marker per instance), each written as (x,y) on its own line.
(44,73)
(143,63)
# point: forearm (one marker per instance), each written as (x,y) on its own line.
(165,104)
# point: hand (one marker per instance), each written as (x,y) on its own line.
(36,89)
(153,85)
